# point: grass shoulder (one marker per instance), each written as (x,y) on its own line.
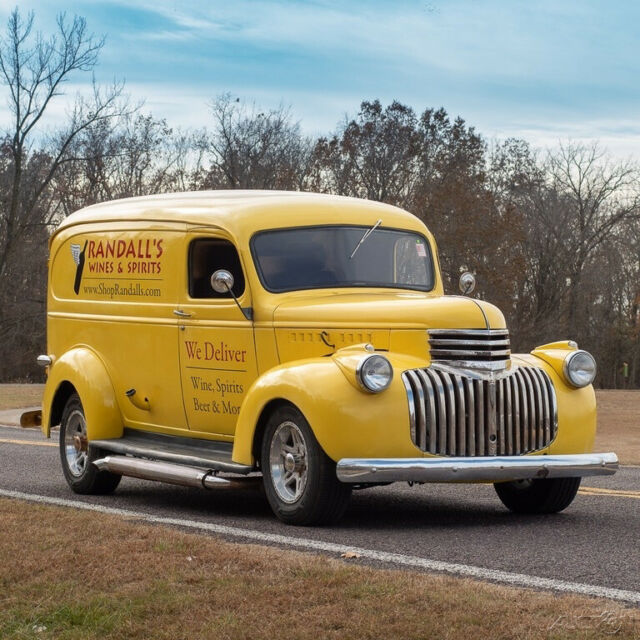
(122,579)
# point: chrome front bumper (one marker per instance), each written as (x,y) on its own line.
(477,469)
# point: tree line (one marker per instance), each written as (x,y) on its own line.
(553,236)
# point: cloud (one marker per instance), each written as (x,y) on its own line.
(549,70)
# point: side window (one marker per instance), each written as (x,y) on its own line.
(207,255)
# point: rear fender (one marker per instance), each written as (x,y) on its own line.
(82,370)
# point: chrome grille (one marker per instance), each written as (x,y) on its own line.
(470,348)
(458,415)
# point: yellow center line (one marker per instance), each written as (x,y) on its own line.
(34,444)
(620,493)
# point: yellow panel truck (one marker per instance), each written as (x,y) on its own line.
(203,338)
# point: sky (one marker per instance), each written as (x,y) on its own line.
(546,71)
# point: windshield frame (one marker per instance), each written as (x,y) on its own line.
(364,227)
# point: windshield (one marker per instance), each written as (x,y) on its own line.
(316,257)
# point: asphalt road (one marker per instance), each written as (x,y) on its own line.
(595,541)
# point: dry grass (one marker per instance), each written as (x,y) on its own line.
(17,396)
(66,574)
(619,424)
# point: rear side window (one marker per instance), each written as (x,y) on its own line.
(206,256)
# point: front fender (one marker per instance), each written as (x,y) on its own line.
(84,370)
(346,421)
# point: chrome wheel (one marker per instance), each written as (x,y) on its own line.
(288,462)
(75,443)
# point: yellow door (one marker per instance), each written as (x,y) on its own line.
(217,353)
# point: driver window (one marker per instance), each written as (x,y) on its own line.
(207,255)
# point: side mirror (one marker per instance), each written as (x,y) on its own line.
(222,281)
(467,283)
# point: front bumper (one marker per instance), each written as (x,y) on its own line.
(477,469)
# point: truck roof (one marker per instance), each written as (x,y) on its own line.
(243,212)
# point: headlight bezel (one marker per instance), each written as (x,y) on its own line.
(569,373)
(361,373)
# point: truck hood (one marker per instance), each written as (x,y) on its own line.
(386,310)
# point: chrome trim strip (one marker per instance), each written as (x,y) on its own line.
(446,342)
(469,332)
(467,353)
(481,469)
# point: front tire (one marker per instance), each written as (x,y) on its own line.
(76,456)
(299,478)
(539,495)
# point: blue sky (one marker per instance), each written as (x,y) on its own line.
(545,70)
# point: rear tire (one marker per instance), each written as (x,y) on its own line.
(77,458)
(539,495)
(299,478)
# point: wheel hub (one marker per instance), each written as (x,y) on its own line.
(80,442)
(76,443)
(288,462)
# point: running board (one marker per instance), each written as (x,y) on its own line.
(170,473)
(192,452)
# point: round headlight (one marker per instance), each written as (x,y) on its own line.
(580,368)
(375,373)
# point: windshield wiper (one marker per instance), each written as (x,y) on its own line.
(367,233)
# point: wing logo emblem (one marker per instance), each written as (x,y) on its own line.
(75,253)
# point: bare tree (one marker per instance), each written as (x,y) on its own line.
(254,149)
(34,70)
(140,156)
(600,196)
(373,156)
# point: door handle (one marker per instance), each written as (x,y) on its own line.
(181,314)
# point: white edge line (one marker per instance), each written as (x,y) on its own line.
(470,571)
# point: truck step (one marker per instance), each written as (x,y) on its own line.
(172,473)
(194,452)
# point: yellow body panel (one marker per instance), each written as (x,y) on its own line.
(93,384)
(120,317)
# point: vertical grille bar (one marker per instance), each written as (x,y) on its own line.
(430,412)
(491,418)
(500,404)
(479,388)
(417,408)
(450,404)
(441,438)
(509,416)
(515,388)
(471,416)
(537,399)
(524,411)
(461,434)
(544,397)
